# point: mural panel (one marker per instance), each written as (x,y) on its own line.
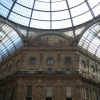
(49,41)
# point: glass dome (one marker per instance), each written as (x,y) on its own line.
(50,14)
(90,40)
(10,41)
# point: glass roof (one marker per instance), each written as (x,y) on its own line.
(91,40)
(50,14)
(9,40)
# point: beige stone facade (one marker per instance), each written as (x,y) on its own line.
(71,80)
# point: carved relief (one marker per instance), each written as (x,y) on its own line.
(77,56)
(41,57)
(30,81)
(58,92)
(38,92)
(49,81)
(68,81)
(23,57)
(59,57)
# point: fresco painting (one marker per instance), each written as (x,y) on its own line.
(49,41)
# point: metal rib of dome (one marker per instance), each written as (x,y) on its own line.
(50,14)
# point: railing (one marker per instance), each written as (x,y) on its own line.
(42,73)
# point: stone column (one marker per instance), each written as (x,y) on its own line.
(19,90)
(53,92)
(79,93)
(58,93)
(38,92)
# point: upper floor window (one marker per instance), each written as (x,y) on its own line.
(83,63)
(96,68)
(3,71)
(92,68)
(49,70)
(67,60)
(17,63)
(99,71)
(32,60)
(50,61)
(9,68)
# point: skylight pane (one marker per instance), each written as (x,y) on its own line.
(14,37)
(55,0)
(22,10)
(96,10)
(3,11)
(7,42)
(59,6)
(60,15)
(96,41)
(98,52)
(73,3)
(7,3)
(40,24)
(82,18)
(95,29)
(27,3)
(0,57)
(6,28)
(42,6)
(92,49)
(79,10)
(41,15)
(19,19)
(4,51)
(61,24)
(44,0)
(18,43)
(85,46)
(11,48)
(2,35)
(93,2)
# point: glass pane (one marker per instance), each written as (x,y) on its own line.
(40,24)
(79,10)
(73,3)
(82,18)
(7,3)
(27,3)
(59,6)
(62,15)
(96,10)
(22,10)
(92,3)
(61,24)
(42,6)
(3,11)
(19,19)
(41,15)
